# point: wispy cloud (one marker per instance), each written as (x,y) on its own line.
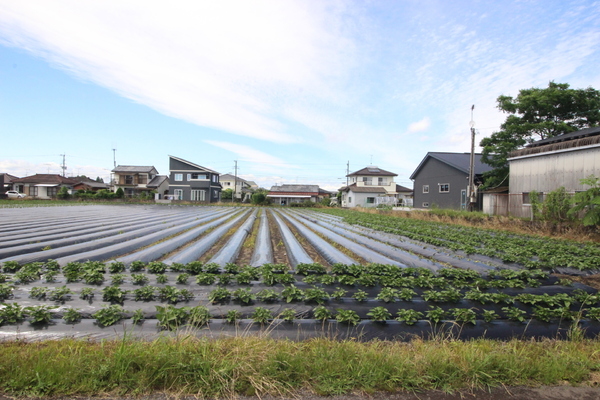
(226,65)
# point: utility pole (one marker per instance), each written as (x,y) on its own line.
(235,181)
(471,191)
(114,157)
(347,172)
(64,166)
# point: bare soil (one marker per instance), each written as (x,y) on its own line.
(590,280)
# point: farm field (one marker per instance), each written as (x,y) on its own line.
(100,271)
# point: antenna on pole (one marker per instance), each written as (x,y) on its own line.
(64,166)
(114,157)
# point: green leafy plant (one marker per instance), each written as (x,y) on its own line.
(388,295)
(306,269)
(137,266)
(261,315)
(379,314)
(219,295)
(162,279)
(39,314)
(145,293)
(139,279)
(321,313)
(138,316)
(464,315)
(11,313)
(206,279)
(316,295)
(288,315)
(515,314)
(117,279)
(360,295)
(212,268)
(116,267)
(349,317)
(72,315)
(588,202)
(233,316)
(6,291)
(113,294)
(338,294)
(199,316)
(170,317)
(50,276)
(225,279)
(86,293)
(169,294)
(38,292)
(267,295)
(489,315)
(435,314)
(409,316)
(157,267)
(182,279)
(11,266)
(292,293)
(92,277)
(194,267)
(60,294)
(243,296)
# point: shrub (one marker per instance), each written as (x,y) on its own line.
(588,202)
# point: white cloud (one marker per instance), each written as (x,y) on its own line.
(248,154)
(226,65)
(419,126)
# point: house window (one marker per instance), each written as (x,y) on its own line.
(527,197)
(215,178)
(444,187)
(426,204)
(198,195)
(178,193)
(381,181)
(33,191)
(52,191)
(349,199)
(426,189)
(367,180)
(129,179)
(215,194)
(142,179)
(179,177)
(370,200)
(196,176)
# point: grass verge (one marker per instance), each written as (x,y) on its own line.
(188,365)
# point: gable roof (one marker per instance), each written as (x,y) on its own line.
(363,189)
(157,181)
(582,138)
(372,170)
(90,182)
(135,168)
(48,179)
(194,165)
(459,161)
(229,177)
(403,189)
(295,188)
(8,178)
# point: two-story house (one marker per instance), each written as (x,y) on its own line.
(243,188)
(193,182)
(134,180)
(373,186)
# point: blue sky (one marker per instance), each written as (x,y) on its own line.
(292,90)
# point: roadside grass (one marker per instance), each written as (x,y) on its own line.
(187,365)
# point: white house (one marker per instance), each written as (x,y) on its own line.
(373,186)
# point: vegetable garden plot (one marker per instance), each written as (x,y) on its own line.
(156,281)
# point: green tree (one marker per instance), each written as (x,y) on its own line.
(537,114)
(227,194)
(119,193)
(259,197)
(63,193)
(588,202)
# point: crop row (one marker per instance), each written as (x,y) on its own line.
(529,251)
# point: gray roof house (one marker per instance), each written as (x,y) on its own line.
(441,179)
(287,194)
(133,179)
(193,182)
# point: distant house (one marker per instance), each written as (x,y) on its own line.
(43,186)
(6,182)
(135,180)
(243,189)
(286,194)
(193,182)
(549,164)
(89,185)
(373,186)
(441,180)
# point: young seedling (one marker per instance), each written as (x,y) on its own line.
(464,315)
(113,294)
(261,315)
(315,295)
(139,279)
(157,267)
(322,314)
(199,316)
(182,279)
(489,315)
(360,295)
(117,279)
(205,278)
(170,317)
(338,294)
(12,313)
(233,316)
(288,315)
(243,296)
(145,293)
(109,315)
(267,295)
(71,316)
(349,317)
(435,314)
(39,314)
(116,267)
(292,293)
(137,266)
(162,279)
(38,292)
(138,316)
(86,294)
(60,294)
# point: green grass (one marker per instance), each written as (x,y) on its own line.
(258,366)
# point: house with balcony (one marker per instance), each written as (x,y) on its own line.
(242,189)
(373,186)
(135,180)
(193,182)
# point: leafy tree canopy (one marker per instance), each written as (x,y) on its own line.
(537,114)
